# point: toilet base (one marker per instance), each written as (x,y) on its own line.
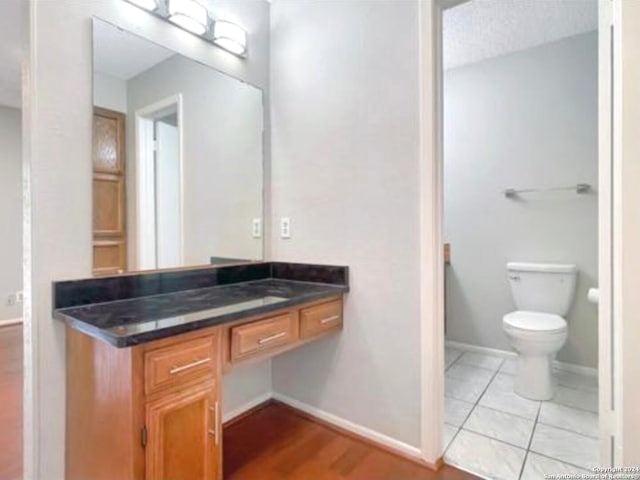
(535,378)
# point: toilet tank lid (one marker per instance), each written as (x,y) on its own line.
(541,267)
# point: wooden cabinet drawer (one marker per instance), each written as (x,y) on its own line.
(256,338)
(321,318)
(179,363)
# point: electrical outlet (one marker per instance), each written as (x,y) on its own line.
(15,298)
(256,228)
(285,227)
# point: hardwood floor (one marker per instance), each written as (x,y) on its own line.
(273,443)
(11,402)
(276,443)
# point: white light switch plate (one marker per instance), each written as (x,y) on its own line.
(285,227)
(256,228)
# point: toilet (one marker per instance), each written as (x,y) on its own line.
(543,293)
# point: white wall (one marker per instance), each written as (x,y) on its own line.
(109,92)
(522,120)
(222,164)
(345,159)
(57,109)
(10,210)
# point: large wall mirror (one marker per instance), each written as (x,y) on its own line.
(177,159)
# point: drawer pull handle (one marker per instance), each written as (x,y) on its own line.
(271,338)
(329,319)
(182,368)
(216,420)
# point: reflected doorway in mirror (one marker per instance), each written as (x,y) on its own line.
(159,184)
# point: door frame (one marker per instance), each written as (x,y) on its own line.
(144,173)
(625,178)
(431,232)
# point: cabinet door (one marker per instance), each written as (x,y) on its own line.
(109,193)
(184,435)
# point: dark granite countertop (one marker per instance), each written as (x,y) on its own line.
(132,321)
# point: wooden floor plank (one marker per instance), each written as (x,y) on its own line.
(275,443)
(11,402)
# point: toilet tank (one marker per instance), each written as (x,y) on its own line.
(543,287)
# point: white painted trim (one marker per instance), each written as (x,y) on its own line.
(11,321)
(143,146)
(376,437)
(32,427)
(605,227)
(626,231)
(145,239)
(478,349)
(431,251)
(245,407)
(567,367)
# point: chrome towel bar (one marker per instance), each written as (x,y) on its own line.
(580,188)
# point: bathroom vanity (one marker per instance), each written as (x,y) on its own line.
(178,180)
(146,353)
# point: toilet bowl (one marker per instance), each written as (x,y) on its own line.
(536,337)
(543,293)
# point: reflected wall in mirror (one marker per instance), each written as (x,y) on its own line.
(177,159)
(11,251)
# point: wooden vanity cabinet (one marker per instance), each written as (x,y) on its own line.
(153,411)
(256,338)
(182,432)
(183,435)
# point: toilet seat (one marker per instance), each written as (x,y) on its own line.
(534,322)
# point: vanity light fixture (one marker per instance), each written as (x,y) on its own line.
(189,15)
(192,16)
(230,36)
(149,5)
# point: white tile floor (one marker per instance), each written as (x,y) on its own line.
(493,432)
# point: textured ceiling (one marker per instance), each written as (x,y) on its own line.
(122,54)
(473,31)
(481,29)
(10,52)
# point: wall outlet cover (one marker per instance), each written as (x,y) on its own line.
(15,298)
(256,228)
(285,227)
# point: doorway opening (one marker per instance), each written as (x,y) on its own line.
(159,184)
(520,227)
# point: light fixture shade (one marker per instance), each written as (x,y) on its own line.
(230,37)
(149,5)
(190,15)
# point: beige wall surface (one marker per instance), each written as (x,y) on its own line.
(524,120)
(345,165)
(222,165)
(10,210)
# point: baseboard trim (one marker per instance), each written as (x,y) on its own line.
(567,367)
(357,431)
(478,349)
(10,322)
(246,409)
